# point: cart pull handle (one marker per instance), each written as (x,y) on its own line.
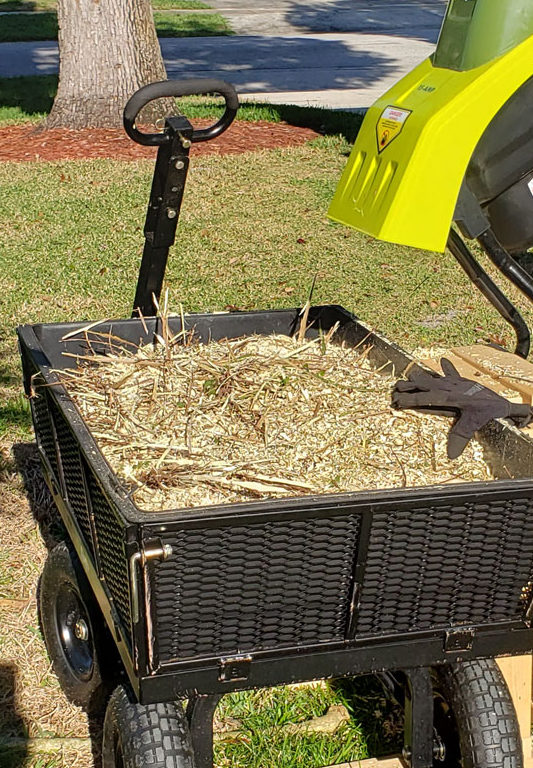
(167,88)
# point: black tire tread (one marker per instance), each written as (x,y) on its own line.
(480,700)
(154,735)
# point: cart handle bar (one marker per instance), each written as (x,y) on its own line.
(167,88)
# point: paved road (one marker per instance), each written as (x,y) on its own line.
(335,53)
(419,19)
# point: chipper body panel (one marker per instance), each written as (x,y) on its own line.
(404,174)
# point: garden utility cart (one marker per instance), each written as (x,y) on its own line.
(422,586)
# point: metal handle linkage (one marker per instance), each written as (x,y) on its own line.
(140,559)
(170,174)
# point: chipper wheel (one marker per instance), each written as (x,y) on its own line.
(472,724)
(145,736)
(78,642)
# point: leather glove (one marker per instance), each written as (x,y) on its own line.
(471,404)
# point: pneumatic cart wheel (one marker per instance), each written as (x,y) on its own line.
(74,631)
(475,720)
(145,735)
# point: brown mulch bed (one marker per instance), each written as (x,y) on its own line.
(19,143)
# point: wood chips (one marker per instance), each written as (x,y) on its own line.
(185,424)
(22,142)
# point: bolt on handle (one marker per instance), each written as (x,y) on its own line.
(169,88)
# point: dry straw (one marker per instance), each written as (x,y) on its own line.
(185,424)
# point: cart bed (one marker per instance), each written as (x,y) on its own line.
(292,589)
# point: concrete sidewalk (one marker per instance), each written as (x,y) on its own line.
(332,53)
(333,70)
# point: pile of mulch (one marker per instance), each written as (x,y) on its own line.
(19,143)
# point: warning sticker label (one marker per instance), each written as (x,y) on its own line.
(390,125)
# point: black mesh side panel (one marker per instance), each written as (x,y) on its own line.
(110,538)
(253,587)
(73,474)
(447,566)
(43,426)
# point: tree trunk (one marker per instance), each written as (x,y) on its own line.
(107,50)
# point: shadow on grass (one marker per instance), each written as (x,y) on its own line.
(13,740)
(18,5)
(381,719)
(32,96)
(21,27)
(44,511)
(28,27)
(324,121)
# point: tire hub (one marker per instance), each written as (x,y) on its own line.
(74,632)
(81,630)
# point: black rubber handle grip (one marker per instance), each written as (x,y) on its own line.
(167,88)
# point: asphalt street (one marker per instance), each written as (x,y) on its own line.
(334,53)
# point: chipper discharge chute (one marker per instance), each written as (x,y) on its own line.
(422,586)
(453,141)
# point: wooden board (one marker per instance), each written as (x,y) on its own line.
(470,371)
(507,369)
(374,762)
(517,671)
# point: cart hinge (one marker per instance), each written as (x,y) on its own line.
(459,640)
(234,668)
(155,551)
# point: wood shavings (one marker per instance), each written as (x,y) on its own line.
(186,425)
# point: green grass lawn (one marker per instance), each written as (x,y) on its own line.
(190,24)
(253,234)
(176,5)
(261,736)
(19,27)
(28,5)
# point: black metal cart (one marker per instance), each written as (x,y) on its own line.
(421,586)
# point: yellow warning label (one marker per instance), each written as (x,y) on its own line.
(390,125)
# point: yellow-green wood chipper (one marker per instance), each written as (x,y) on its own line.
(453,141)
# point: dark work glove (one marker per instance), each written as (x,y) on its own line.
(471,404)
